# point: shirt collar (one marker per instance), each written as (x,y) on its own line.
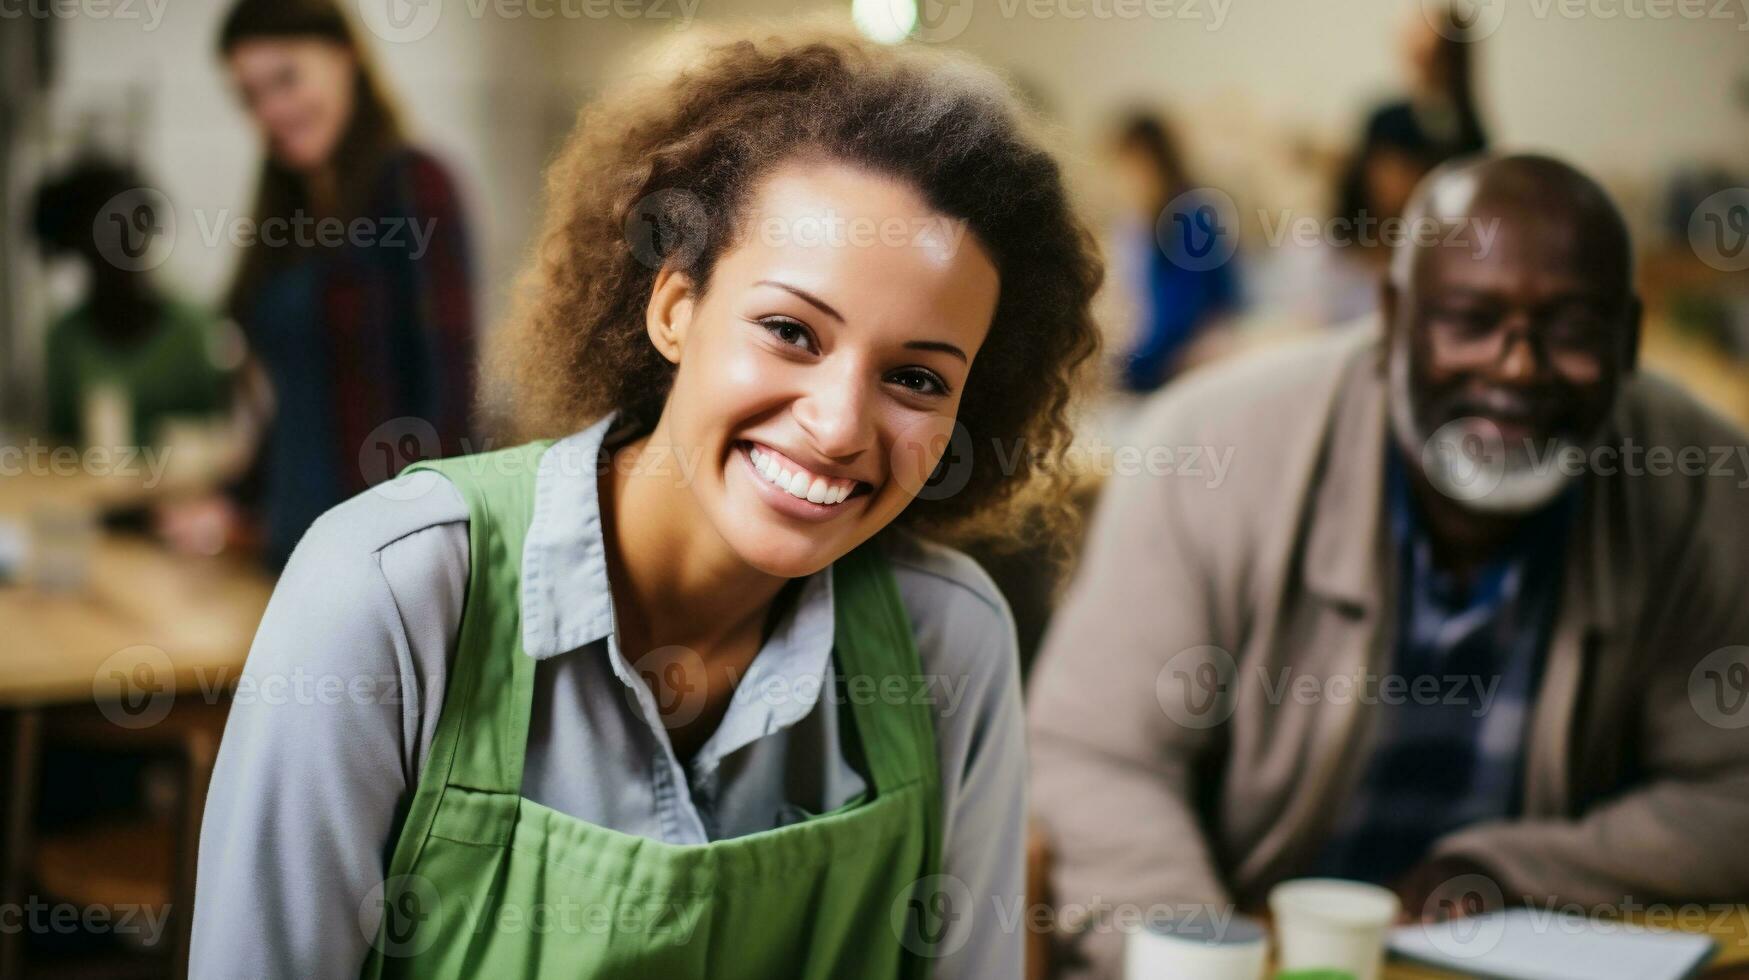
(566,603)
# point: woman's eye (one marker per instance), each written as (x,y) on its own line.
(920,381)
(789,332)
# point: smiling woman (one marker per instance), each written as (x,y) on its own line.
(675,661)
(762,147)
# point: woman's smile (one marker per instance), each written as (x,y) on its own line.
(796,491)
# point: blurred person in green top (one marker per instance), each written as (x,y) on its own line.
(155,355)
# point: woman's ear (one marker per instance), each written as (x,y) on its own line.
(669,313)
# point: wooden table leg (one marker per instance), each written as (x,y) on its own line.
(23,756)
(1038,893)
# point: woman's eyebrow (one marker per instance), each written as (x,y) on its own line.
(940,345)
(804,294)
(935,345)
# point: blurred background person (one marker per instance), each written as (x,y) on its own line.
(365,340)
(129,356)
(1437,119)
(1402,140)
(1173,301)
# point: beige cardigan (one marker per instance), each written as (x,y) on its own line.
(1635,791)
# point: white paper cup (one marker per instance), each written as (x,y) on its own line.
(1237,949)
(1331,924)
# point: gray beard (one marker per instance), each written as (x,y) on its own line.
(1466,459)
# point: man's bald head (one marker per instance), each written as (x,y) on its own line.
(1522,188)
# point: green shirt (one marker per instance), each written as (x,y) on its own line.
(171,372)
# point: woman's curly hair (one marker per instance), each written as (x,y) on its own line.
(680,156)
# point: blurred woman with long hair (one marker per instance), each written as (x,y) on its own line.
(353,290)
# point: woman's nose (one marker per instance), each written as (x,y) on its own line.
(836,414)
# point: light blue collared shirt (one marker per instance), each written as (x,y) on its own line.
(339,703)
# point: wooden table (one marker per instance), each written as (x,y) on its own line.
(199,613)
(147,632)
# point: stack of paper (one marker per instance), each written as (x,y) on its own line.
(1528,944)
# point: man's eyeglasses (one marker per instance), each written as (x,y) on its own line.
(1577,344)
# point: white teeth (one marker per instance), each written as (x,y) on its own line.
(798,483)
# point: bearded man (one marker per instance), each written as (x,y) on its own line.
(1465,618)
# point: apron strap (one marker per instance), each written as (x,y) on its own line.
(488,695)
(887,689)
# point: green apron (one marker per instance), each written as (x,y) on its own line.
(486,883)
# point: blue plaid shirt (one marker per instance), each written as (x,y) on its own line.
(1448,746)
